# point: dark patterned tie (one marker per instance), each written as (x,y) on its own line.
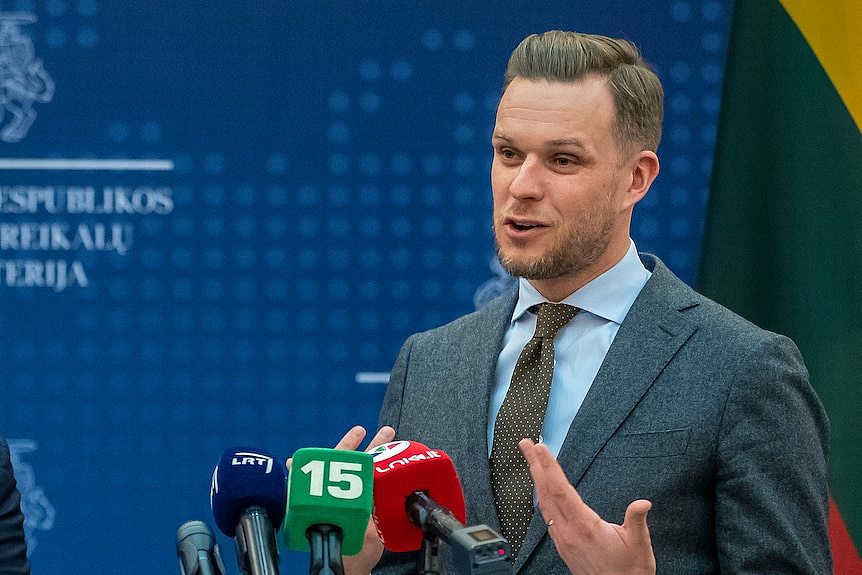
(522,415)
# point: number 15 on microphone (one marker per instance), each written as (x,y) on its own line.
(329,487)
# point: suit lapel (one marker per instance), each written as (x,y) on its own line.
(478,378)
(651,334)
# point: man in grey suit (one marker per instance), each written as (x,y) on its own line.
(677,437)
(13,549)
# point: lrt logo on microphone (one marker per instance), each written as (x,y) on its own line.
(250,458)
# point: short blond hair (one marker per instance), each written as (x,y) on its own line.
(559,56)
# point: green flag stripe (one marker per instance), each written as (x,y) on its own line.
(783,240)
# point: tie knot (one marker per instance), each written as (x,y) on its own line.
(552,317)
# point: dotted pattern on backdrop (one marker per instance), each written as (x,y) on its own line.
(323,211)
(670,222)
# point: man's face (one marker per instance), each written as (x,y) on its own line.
(557,179)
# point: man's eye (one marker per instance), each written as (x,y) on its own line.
(564,161)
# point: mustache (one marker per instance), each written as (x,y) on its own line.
(522,213)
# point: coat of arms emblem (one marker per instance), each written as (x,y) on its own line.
(23,79)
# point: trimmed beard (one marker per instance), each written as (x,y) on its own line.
(571,255)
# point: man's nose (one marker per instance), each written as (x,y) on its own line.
(529,181)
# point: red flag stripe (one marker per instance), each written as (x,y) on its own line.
(844,555)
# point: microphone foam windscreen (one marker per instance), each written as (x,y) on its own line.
(332,487)
(401,468)
(244,478)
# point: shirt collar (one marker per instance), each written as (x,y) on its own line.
(609,296)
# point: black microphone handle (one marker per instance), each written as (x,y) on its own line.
(256,549)
(431,517)
(325,543)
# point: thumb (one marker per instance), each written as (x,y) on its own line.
(636,514)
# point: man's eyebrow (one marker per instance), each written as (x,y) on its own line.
(566,142)
(562,142)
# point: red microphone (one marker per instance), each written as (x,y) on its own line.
(401,468)
(418,499)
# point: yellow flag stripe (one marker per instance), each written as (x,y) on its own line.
(833,29)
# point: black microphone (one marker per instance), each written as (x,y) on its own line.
(248,502)
(197,550)
(477,549)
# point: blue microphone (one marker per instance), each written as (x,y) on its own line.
(248,498)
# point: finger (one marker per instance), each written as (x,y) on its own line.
(538,457)
(545,470)
(537,470)
(636,515)
(288,463)
(558,499)
(636,529)
(548,506)
(384,435)
(352,438)
(526,446)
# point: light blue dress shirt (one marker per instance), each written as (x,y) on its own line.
(579,348)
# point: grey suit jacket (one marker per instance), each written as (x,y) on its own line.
(13,550)
(706,415)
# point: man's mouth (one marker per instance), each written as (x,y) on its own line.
(523,225)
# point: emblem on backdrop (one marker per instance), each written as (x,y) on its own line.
(499,284)
(38,512)
(23,80)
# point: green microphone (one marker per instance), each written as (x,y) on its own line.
(329,500)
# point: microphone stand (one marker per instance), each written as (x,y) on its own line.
(430,559)
(325,543)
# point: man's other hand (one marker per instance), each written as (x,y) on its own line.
(586,542)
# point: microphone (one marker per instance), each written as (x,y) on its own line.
(402,468)
(418,499)
(197,550)
(248,498)
(329,498)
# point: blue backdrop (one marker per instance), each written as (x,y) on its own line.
(220,220)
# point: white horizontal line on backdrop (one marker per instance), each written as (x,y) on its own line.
(86,164)
(372,377)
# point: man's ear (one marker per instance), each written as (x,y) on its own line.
(644,170)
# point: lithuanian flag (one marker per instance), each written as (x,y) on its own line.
(783,244)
